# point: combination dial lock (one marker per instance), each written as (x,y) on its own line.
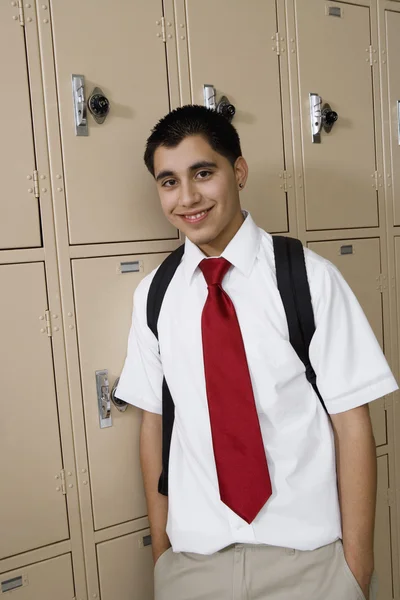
(98,105)
(226,108)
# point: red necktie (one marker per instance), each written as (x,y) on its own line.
(242,469)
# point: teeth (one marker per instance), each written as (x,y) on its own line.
(193,217)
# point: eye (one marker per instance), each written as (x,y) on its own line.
(203,174)
(168,183)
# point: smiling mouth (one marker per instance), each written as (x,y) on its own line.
(196,218)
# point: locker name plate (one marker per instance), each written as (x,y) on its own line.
(14,583)
(135,266)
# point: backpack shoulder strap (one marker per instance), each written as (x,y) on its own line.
(292,280)
(159,286)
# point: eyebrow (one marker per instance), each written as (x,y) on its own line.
(202,164)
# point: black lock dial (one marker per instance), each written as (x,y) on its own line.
(330,117)
(226,109)
(99,105)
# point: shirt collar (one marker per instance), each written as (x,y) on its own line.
(241,251)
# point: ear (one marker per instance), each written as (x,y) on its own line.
(241,169)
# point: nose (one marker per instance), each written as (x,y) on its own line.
(189,195)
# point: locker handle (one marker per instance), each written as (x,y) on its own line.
(321,117)
(78,94)
(103,398)
(224,107)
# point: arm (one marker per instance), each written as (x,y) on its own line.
(357,484)
(151,464)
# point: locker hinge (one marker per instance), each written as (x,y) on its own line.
(382,285)
(63,486)
(163,32)
(371,56)
(48,323)
(21,13)
(284,176)
(390,497)
(36,183)
(376,179)
(278,46)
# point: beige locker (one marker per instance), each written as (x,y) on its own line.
(382,546)
(359,261)
(33,508)
(393,53)
(231,49)
(17,154)
(126,567)
(333,53)
(117,46)
(103,294)
(48,580)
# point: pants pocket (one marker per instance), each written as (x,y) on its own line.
(161,559)
(349,572)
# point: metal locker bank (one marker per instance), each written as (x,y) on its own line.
(313,88)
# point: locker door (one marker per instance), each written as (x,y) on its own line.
(103,310)
(110,196)
(361,269)
(393,53)
(48,580)
(382,545)
(126,567)
(17,157)
(230,47)
(33,508)
(338,172)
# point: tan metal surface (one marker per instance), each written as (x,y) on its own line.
(383,555)
(126,568)
(104,309)
(333,61)
(17,157)
(110,197)
(231,48)
(393,52)
(48,580)
(361,271)
(33,510)
(82,173)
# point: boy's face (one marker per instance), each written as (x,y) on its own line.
(199,192)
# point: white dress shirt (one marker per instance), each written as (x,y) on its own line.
(303,511)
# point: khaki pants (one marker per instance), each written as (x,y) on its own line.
(258,572)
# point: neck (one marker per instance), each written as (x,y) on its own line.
(218,245)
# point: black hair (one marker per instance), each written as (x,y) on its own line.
(194,119)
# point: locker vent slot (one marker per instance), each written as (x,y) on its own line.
(346,249)
(334,11)
(130,267)
(11,584)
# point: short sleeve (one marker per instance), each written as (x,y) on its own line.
(140,383)
(350,366)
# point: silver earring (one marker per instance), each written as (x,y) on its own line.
(241,185)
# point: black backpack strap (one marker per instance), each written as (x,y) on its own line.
(158,287)
(291,275)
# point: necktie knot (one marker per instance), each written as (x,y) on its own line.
(214,270)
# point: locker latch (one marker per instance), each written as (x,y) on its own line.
(98,104)
(322,116)
(224,107)
(103,398)
(78,94)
